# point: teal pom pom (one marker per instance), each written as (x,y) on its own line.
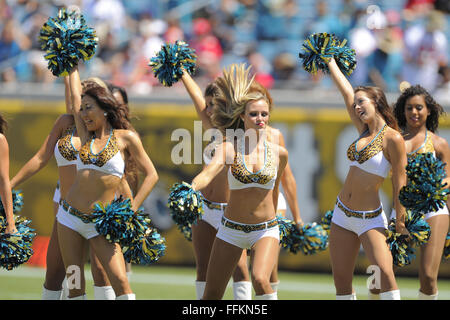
(185,206)
(447,247)
(112,220)
(402,252)
(66,39)
(309,239)
(145,245)
(401,246)
(169,62)
(325,221)
(17,198)
(186,231)
(16,249)
(424,191)
(320,47)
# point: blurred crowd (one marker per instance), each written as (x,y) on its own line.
(395,40)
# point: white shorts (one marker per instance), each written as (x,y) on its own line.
(245,240)
(358,225)
(213,216)
(87,230)
(281,202)
(56,195)
(427,216)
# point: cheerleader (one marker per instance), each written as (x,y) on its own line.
(5,185)
(249,220)
(241,277)
(105,139)
(358,216)
(418,114)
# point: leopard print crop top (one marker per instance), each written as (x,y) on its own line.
(240,177)
(109,160)
(370,158)
(65,152)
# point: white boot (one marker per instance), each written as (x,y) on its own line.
(267,296)
(274,285)
(51,294)
(346,296)
(129,296)
(242,290)
(82,297)
(200,289)
(423,296)
(390,295)
(104,293)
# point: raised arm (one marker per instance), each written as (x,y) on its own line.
(5,186)
(67,95)
(223,156)
(75,95)
(396,152)
(346,90)
(197,98)
(144,164)
(44,154)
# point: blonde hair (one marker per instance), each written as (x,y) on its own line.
(233,94)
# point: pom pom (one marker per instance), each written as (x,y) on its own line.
(145,245)
(401,246)
(185,205)
(17,198)
(186,231)
(112,220)
(66,39)
(309,239)
(402,252)
(169,62)
(424,191)
(447,247)
(325,221)
(15,249)
(320,47)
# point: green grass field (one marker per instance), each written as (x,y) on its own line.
(177,283)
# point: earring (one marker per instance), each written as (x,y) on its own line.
(105,114)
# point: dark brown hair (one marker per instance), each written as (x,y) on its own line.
(117,114)
(379,100)
(3,125)
(211,90)
(435,108)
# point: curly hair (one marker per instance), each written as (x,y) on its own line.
(233,96)
(377,96)
(435,108)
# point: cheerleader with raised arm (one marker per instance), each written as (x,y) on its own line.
(254,167)
(358,217)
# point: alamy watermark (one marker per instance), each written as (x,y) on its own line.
(374,280)
(189,149)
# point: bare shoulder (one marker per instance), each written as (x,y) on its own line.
(126,134)
(274,135)
(282,151)
(3,142)
(440,144)
(392,136)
